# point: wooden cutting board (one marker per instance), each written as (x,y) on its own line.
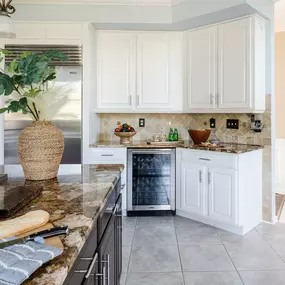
(52,241)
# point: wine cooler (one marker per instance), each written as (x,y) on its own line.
(151,180)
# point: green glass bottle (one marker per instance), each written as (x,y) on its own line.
(170,136)
(175,135)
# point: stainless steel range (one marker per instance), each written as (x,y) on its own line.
(151,181)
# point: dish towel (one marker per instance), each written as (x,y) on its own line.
(19,261)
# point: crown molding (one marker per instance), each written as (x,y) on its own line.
(166,3)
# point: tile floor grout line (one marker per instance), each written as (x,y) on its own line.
(230,258)
(135,226)
(182,271)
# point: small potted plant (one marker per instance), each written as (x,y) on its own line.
(40,144)
(125,132)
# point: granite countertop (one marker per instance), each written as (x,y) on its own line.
(234,148)
(74,199)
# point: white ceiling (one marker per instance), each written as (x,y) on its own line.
(280,16)
(105,2)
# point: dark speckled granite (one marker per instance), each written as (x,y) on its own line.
(75,199)
(223,147)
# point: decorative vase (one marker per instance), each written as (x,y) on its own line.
(125,137)
(41,146)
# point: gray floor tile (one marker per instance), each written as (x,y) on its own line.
(126,258)
(183,222)
(155,279)
(199,234)
(274,235)
(252,253)
(155,235)
(212,278)
(263,277)
(129,221)
(128,235)
(205,258)
(155,259)
(123,279)
(155,221)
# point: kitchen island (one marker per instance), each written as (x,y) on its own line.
(75,198)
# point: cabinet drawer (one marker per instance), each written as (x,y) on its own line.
(108,154)
(209,158)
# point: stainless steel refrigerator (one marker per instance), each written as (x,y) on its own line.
(68,117)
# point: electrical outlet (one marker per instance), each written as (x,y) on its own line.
(142,123)
(212,123)
(232,124)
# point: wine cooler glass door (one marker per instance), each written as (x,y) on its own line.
(151,180)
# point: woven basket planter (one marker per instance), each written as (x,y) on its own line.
(41,147)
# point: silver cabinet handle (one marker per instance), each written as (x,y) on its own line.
(104,275)
(209,177)
(91,266)
(200,176)
(107,154)
(206,159)
(218,98)
(138,100)
(130,100)
(108,266)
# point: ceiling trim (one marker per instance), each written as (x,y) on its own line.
(166,3)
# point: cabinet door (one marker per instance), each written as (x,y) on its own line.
(192,188)
(116,70)
(118,240)
(235,65)
(153,71)
(222,195)
(202,73)
(107,255)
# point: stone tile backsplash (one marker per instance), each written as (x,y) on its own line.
(159,123)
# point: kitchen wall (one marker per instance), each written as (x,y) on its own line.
(159,123)
(279,106)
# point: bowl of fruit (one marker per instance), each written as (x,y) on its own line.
(125,132)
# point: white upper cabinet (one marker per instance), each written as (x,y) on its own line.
(139,71)
(226,67)
(115,70)
(153,71)
(47,33)
(202,73)
(234,64)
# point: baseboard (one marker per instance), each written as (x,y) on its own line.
(274,221)
(224,226)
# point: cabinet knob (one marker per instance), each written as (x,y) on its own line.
(209,177)
(200,176)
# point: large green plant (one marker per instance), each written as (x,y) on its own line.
(27,77)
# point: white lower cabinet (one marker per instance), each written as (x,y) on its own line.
(220,189)
(192,178)
(222,194)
